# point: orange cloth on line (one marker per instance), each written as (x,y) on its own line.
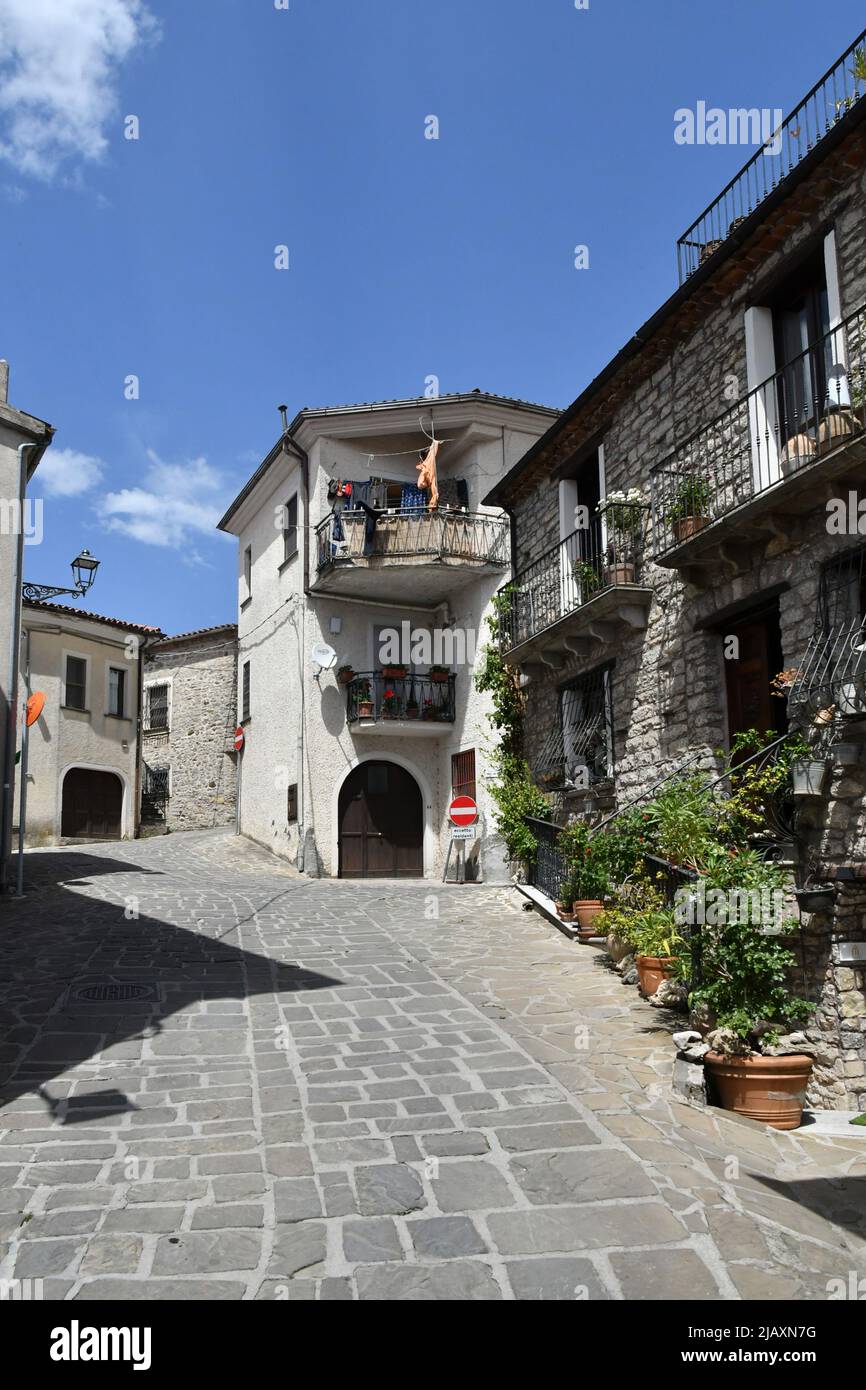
(427,475)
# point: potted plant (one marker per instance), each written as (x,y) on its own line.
(656,941)
(394,673)
(390,704)
(587,579)
(345,675)
(690,511)
(363,699)
(745,990)
(429,710)
(564,903)
(439,674)
(588,874)
(623,513)
(413,709)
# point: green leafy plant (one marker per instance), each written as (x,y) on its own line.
(745,983)
(586,857)
(516,797)
(692,498)
(753,786)
(501,681)
(587,578)
(681,819)
(858,72)
(640,917)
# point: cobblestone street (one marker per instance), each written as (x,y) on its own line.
(359,1090)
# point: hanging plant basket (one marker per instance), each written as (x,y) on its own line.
(808,777)
(820,897)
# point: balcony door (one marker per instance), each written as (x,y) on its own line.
(381,823)
(582,545)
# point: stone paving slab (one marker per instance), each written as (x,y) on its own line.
(337,1095)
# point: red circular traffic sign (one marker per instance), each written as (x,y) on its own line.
(463,811)
(239,738)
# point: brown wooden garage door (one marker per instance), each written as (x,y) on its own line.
(92,803)
(381,823)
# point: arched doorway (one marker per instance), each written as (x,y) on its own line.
(381,823)
(92,805)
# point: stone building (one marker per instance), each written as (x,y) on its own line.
(349,764)
(737,414)
(189,763)
(23,441)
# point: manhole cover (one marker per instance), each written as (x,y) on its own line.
(113,993)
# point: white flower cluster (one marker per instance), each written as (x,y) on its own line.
(633,498)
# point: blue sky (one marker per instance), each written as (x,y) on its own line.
(409,257)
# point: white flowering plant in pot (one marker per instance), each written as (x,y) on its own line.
(623,512)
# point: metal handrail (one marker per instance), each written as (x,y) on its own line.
(371,695)
(812,405)
(800,132)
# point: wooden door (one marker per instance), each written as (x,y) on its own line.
(92,805)
(381,823)
(750,701)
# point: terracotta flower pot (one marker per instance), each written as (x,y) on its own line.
(345,675)
(769,1089)
(440,677)
(365,709)
(620,574)
(586,910)
(687,526)
(394,672)
(651,970)
(564,910)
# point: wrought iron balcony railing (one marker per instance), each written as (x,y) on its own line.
(821,109)
(372,695)
(810,408)
(406,533)
(831,679)
(607,554)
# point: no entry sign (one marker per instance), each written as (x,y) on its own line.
(462,811)
(239,738)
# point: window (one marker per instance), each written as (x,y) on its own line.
(245,697)
(290,528)
(580,752)
(463,773)
(116,691)
(292,803)
(156,708)
(842,592)
(248,571)
(75,692)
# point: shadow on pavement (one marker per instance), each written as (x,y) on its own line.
(58,941)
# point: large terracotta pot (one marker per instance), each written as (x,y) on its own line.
(564,911)
(687,526)
(620,574)
(586,910)
(651,970)
(769,1089)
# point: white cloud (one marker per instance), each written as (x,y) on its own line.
(67,473)
(58,69)
(177,502)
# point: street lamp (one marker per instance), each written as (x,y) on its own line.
(83,568)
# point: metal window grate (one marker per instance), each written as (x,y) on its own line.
(156,709)
(579,749)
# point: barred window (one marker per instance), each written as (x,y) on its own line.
(842,592)
(463,773)
(156,708)
(245,692)
(292,803)
(587,728)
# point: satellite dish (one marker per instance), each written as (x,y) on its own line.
(324,656)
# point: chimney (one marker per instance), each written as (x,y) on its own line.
(284,416)
(4,381)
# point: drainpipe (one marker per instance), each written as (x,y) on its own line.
(7,807)
(306,835)
(25,748)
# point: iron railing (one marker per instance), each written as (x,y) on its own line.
(781,151)
(373,696)
(405,533)
(832,674)
(606,554)
(810,407)
(154,793)
(549,869)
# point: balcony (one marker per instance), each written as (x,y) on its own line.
(747,478)
(822,111)
(409,706)
(416,555)
(583,591)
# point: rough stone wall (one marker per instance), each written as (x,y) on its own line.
(669,681)
(198,747)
